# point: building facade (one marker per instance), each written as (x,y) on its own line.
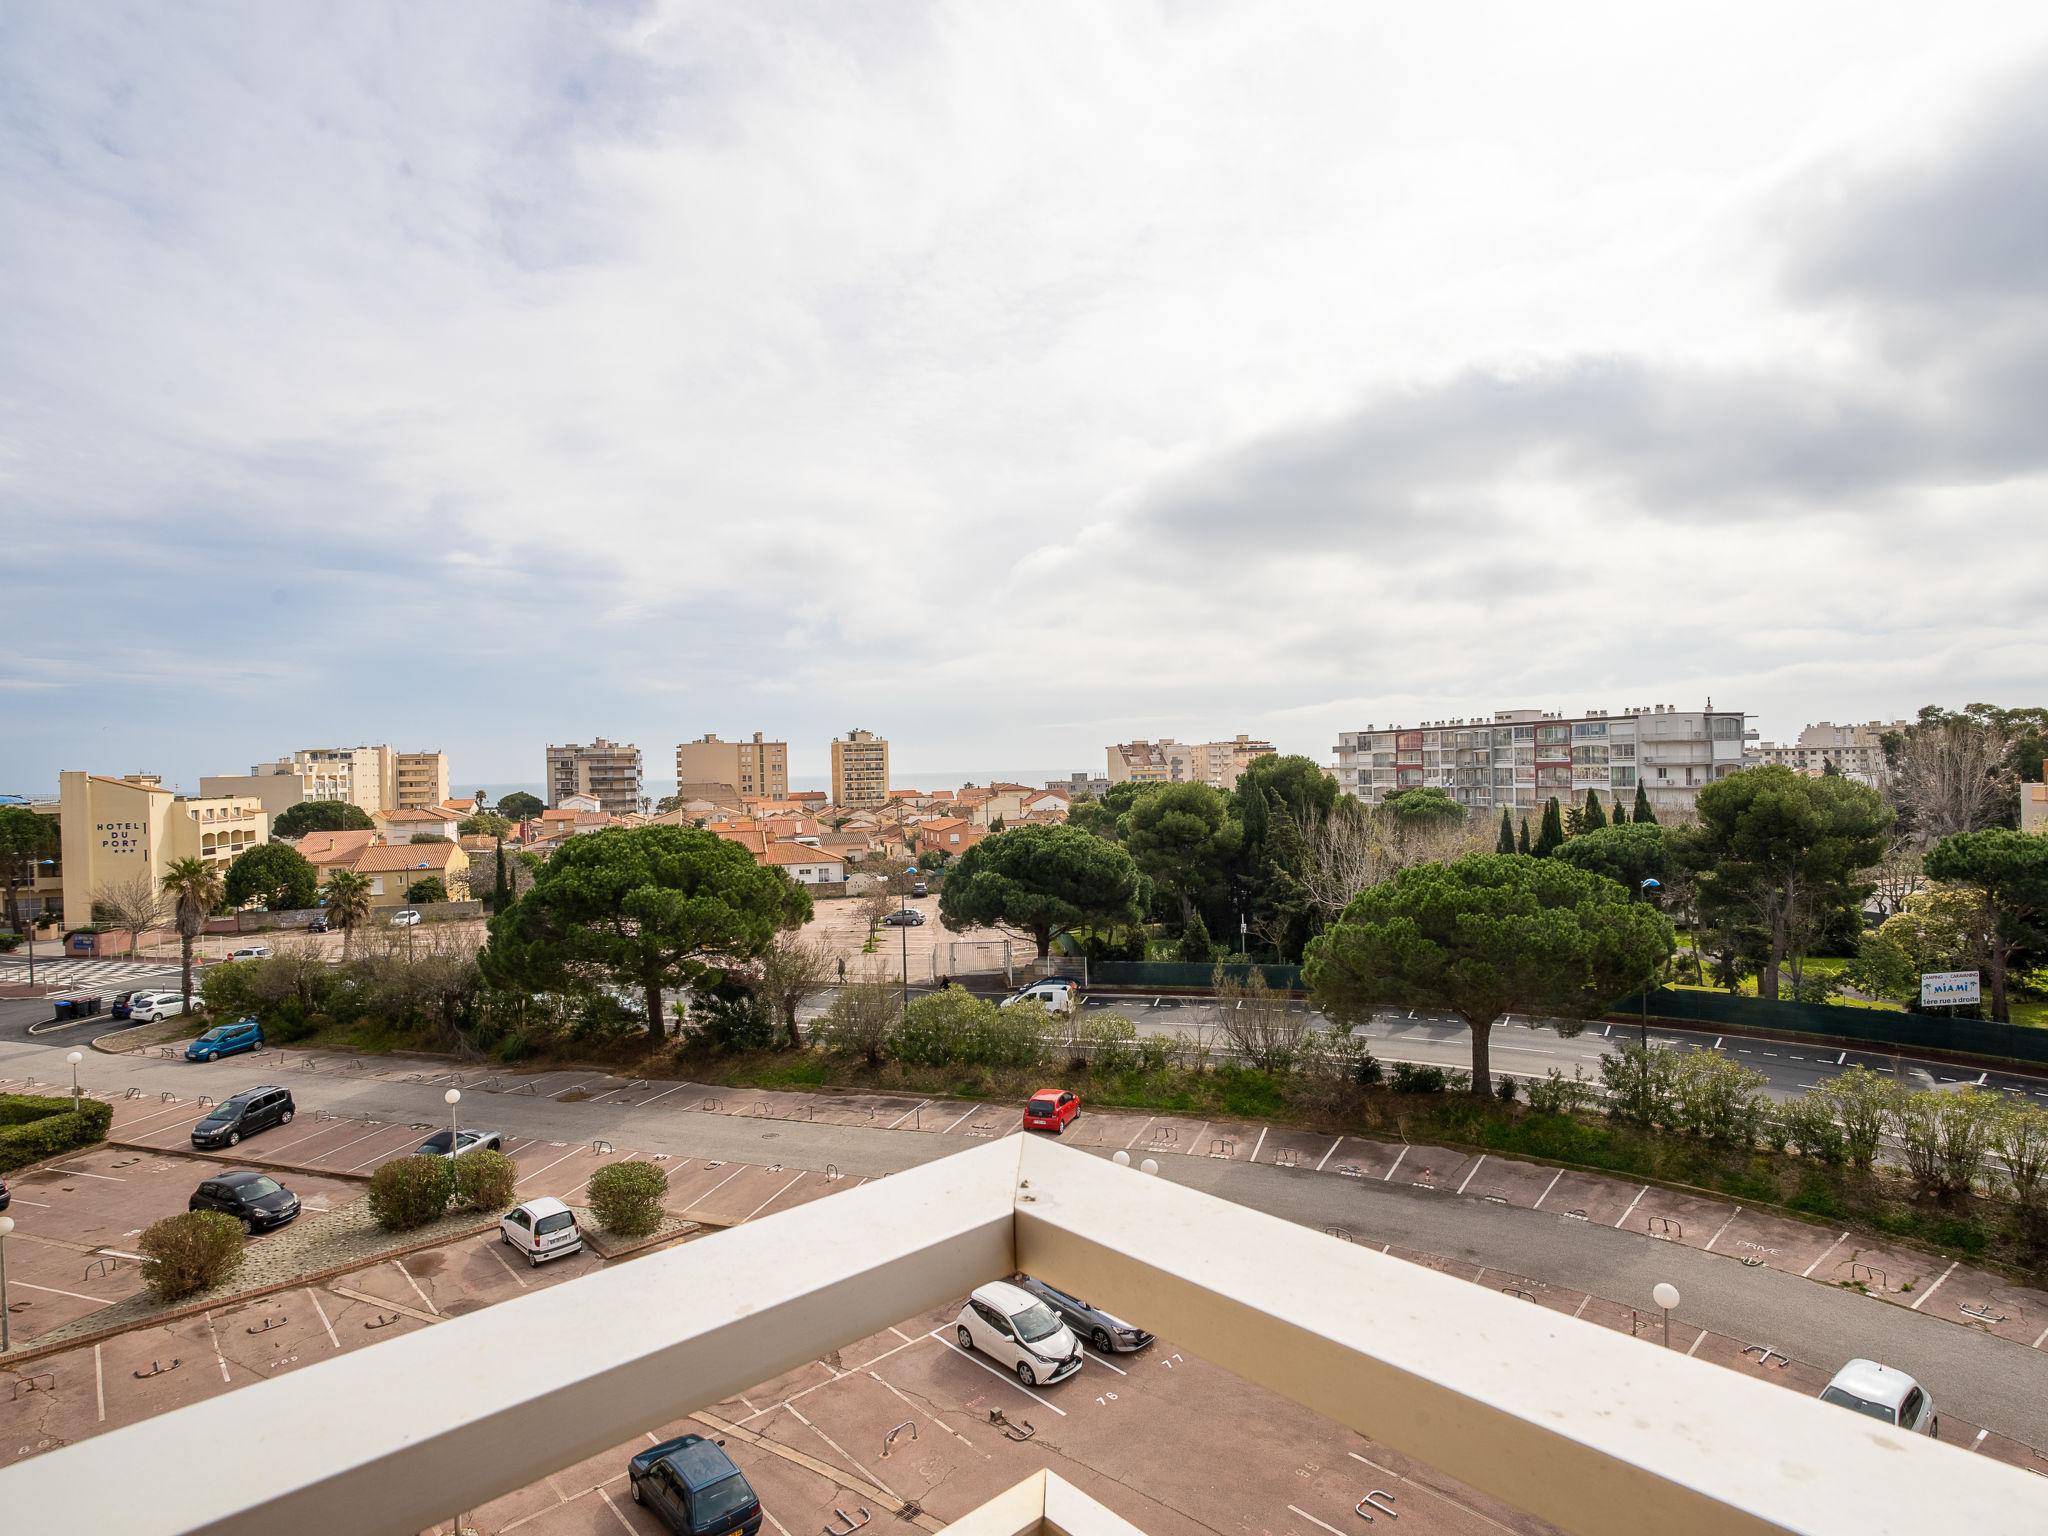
(1219,764)
(421,780)
(1518,758)
(608,772)
(860,770)
(756,767)
(116,831)
(1081,785)
(1857,751)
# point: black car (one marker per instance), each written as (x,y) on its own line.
(904,917)
(5,1198)
(695,1489)
(119,1010)
(250,1111)
(319,923)
(254,1199)
(920,889)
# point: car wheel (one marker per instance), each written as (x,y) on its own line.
(1100,1339)
(1934,1429)
(285,1118)
(208,1056)
(505,1238)
(248,1227)
(233,1137)
(966,1340)
(1024,1373)
(533,1260)
(636,1492)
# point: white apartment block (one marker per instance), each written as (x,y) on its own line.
(1519,758)
(1218,764)
(1857,751)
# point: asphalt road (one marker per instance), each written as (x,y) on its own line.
(1978,1376)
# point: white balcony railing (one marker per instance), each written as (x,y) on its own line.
(1577,1425)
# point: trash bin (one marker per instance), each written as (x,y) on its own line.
(66,1008)
(88,1006)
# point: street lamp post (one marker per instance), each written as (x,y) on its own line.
(903,1000)
(6,1226)
(1643,1030)
(75,1058)
(1665,1294)
(33,866)
(452,1098)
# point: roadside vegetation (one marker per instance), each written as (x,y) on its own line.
(34,1127)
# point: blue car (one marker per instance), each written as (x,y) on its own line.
(225,1040)
(694,1489)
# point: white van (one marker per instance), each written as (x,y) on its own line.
(1058,993)
(541,1229)
(149,1007)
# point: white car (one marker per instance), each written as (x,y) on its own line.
(1058,993)
(149,1007)
(1883,1393)
(1013,1327)
(405,917)
(541,1229)
(251,952)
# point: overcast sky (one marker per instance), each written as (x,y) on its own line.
(1007,379)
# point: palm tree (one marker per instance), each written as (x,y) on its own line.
(195,888)
(348,903)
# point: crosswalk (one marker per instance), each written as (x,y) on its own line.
(114,975)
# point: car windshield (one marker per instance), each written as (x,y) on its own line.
(1843,1399)
(438,1142)
(1040,1322)
(556,1222)
(1042,1106)
(257,1188)
(214,1034)
(721,1501)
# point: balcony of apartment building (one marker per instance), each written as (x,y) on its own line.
(1574,1424)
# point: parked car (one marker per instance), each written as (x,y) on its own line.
(319,923)
(225,1040)
(694,1489)
(1105,1331)
(118,1009)
(436,1145)
(254,1199)
(246,1113)
(405,917)
(5,1198)
(919,888)
(1051,1109)
(541,1229)
(251,952)
(1058,993)
(1883,1393)
(904,917)
(150,1007)
(1016,1329)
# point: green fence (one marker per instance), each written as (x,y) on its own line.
(1177,973)
(1875,1026)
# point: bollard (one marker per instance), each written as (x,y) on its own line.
(889,1440)
(851,1524)
(157,1368)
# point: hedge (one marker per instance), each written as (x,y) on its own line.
(191,1252)
(626,1197)
(33,1127)
(409,1192)
(484,1180)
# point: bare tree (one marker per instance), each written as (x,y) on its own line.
(1897,875)
(134,905)
(863,1013)
(792,968)
(1354,848)
(878,904)
(1951,775)
(1263,1026)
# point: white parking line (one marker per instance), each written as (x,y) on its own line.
(714,1189)
(1388,1176)
(1584,1304)
(608,1504)
(1724,1227)
(51,1290)
(88,1174)
(314,1297)
(1259,1143)
(517,1278)
(1097,1358)
(999,1375)
(99,1383)
(309,1136)
(1974,1444)
(661,1095)
(1468,1176)
(757,1210)
(1632,1205)
(2038,1342)
(425,1300)
(1326,1156)
(1807,1272)
(574,1086)
(1937,1284)
(1547,1189)
(544,1168)
(920,1104)
(920,1408)
(1134,1135)
(378,1157)
(215,1334)
(1696,1343)
(969,1114)
(842,1450)
(1312,1520)
(354,1139)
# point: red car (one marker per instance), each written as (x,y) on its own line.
(1050,1109)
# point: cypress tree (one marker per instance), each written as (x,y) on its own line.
(1522,839)
(1593,817)
(1642,810)
(1550,837)
(1507,833)
(501,882)
(1620,816)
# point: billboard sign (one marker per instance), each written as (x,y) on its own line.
(1949,989)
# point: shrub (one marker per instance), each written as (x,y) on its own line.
(1012,1037)
(1155,1053)
(1410,1078)
(1557,1094)
(33,1127)
(484,1180)
(1642,1086)
(1809,1124)
(409,1192)
(626,1197)
(1944,1139)
(1718,1099)
(229,988)
(191,1252)
(935,1030)
(1195,946)
(731,1019)
(1505,1088)
(1111,1044)
(1861,1101)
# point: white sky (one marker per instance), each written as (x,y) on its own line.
(1008,380)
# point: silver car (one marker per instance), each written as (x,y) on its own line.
(1105,1332)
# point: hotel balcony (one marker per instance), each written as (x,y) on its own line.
(1574,1425)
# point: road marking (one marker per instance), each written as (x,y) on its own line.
(1326,1156)
(51,1290)
(1584,1304)
(1724,1227)
(1980,1438)
(378,1157)
(87,1174)
(1387,1177)
(608,1504)
(1468,1176)
(1632,1205)
(544,1168)
(1841,1058)
(1547,1189)
(714,1189)
(1097,1358)
(920,1104)
(1807,1272)
(963,1117)
(757,1210)
(1134,1135)
(1937,1284)
(382,1302)
(842,1450)
(574,1086)
(885,1354)
(310,1136)
(1696,1343)
(215,1333)
(99,1383)
(661,1095)
(1008,1376)
(920,1408)
(899,1333)
(425,1300)
(2037,1343)
(41,1205)
(517,1278)
(354,1139)
(777,1523)
(1455,1503)
(1312,1520)
(1259,1143)
(314,1297)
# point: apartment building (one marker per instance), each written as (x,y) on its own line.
(1080,785)
(115,831)
(604,770)
(2034,804)
(1219,764)
(756,767)
(860,770)
(1857,751)
(1519,758)
(421,780)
